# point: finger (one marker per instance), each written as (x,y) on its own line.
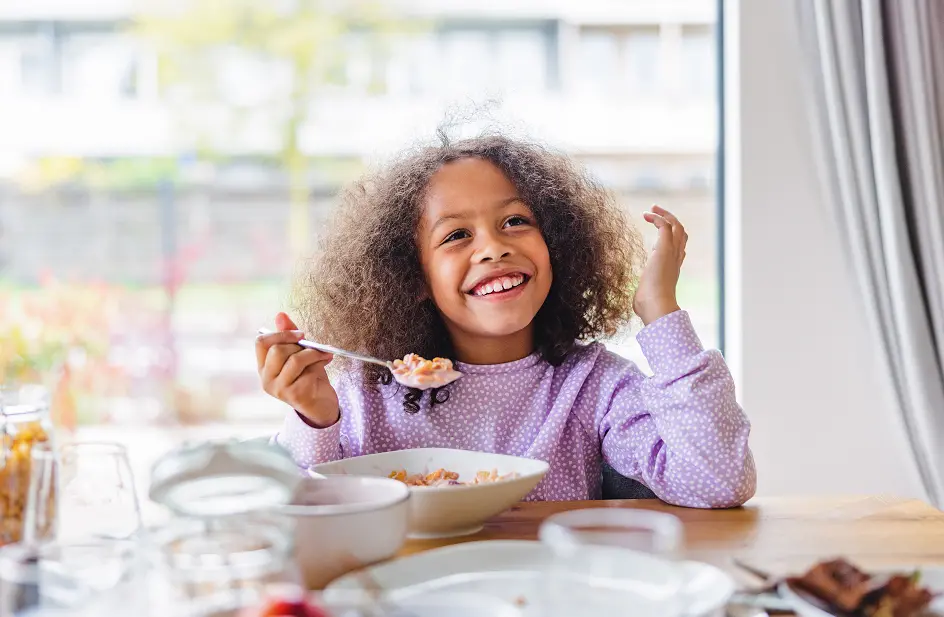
(316,367)
(655,219)
(265,341)
(298,362)
(294,396)
(666,215)
(665,230)
(275,360)
(683,243)
(297,397)
(284,322)
(666,238)
(677,228)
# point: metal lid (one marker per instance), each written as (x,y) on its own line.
(220,478)
(22,403)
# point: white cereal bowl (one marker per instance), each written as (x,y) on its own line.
(447,511)
(344,523)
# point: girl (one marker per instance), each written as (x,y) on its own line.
(510,260)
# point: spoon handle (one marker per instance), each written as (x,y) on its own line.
(335,350)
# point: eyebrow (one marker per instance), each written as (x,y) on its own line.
(503,203)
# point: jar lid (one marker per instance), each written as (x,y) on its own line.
(23,402)
(219,478)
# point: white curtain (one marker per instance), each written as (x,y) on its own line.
(876,83)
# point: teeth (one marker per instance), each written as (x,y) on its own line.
(505,282)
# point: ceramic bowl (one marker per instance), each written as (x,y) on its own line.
(344,523)
(437,512)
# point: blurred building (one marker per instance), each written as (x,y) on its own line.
(628,86)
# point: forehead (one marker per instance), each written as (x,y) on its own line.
(466,184)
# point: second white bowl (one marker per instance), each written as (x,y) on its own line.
(342,524)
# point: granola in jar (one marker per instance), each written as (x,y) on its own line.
(24,422)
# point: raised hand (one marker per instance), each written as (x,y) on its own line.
(656,294)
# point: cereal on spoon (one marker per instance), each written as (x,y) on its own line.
(417,372)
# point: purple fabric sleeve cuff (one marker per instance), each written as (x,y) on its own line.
(308,445)
(669,340)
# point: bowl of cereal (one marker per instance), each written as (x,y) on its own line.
(453,492)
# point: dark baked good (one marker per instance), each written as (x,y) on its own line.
(847,590)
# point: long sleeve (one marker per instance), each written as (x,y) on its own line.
(308,445)
(681,431)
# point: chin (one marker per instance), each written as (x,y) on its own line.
(500,330)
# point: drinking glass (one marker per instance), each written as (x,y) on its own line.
(645,531)
(39,520)
(96,493)
(92,577)
(605,559)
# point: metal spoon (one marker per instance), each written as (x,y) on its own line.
(335,351)
(370,359)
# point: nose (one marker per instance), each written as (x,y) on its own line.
(492,247)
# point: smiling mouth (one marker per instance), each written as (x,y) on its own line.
(499,285)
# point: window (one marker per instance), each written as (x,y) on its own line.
(643,62)
(359,63)
(424,64)
(598,62)
(182,243)
(38,64)
(467,61)
(10,78)
(99,66)
(521,60)
(698,64)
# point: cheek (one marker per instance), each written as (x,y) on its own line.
(541,258)
(444,277)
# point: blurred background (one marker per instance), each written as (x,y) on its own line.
(163,167)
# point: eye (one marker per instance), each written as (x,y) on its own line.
(516,220)
(458,234)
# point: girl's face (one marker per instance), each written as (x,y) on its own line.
(486,263)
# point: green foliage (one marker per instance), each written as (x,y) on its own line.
(302,43)
(304,40)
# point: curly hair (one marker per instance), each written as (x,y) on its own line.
(360,290)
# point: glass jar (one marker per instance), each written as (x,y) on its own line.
(24,422)
(228,547)
(220,567)
(19,579)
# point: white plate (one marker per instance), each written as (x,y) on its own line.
(512,571)
(437,512)
(806,606)
(429,605)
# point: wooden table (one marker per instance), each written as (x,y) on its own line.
(775,534)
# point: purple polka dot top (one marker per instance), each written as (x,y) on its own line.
(680,431)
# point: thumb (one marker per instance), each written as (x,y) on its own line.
(283,322)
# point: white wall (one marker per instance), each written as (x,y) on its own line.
(821,406)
